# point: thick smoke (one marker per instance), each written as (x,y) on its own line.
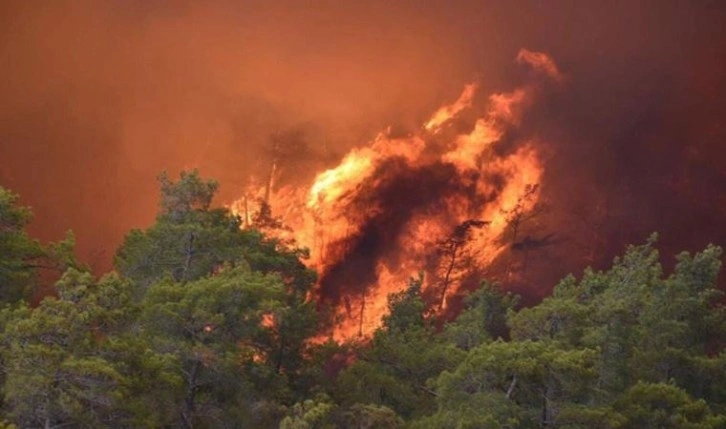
(400,192)
(98,97)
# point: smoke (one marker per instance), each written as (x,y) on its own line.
(98,97)
(401,191)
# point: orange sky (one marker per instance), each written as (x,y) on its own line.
(97,97)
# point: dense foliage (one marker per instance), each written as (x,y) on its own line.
(207,325)
(23,259)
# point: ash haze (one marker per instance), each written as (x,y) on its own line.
(98,97)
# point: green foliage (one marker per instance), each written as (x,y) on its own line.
(647,327)
(393,370)
(190,194)
(210,326)
(53,371)
(5,425)
(152,384)
(483,319)
(522,382)
(405,310)
(234,340)
(20,256)
(16,248)
(323,414)
(214,330)
(310,414)
(190,241)
(370,416)
(659,405)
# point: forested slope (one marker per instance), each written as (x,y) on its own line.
(207,325)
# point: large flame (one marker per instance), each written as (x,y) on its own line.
(440,201)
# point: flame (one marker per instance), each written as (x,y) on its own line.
(446,113)
(485,190)
(332,185)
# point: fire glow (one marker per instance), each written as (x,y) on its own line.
(445,197)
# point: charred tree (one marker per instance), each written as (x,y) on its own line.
(452,255)
(528,244)
(524,210)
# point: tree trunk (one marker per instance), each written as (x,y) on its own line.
(546,419)
(189,404)
(280,353)
(270,181)
(362,312)
(188,259)
(447,276)
(510,390)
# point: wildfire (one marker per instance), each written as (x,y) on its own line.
(399,206)
(445,113)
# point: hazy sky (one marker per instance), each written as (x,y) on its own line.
(98,97)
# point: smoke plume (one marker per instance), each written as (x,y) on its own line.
(98,97)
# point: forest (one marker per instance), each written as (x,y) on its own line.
(205,324)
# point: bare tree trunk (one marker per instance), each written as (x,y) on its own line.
(515,232)
(189,404)
(362,313)
(280,352)
(512,385)
(546,419)
(188,259)
(270,181)
(447,276)
(247,213)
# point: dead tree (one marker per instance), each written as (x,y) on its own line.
(451,251)
(523,211)
(529,243)
(520,213)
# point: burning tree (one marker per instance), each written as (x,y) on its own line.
(453,256)
(526,209)
(523,210)
(371,221)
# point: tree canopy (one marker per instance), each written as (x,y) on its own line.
(22,258)
(205,324)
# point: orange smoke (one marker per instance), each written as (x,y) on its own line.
(539,62)
(440,201)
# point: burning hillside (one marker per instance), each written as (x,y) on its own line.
(448,200)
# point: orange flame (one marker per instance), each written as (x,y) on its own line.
(499,187)
(446,113)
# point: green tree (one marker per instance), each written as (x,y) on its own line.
(310,414)
(225,308)
(483,319)
(191,240)
(680,324)
(515,384)
(233,339)
(190,194)
(659,405)
(371,416)
(20,256)
(393,370)
(321,413)
(54,372)
(645,326)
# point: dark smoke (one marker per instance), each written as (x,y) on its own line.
(387,203)
(97,97)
